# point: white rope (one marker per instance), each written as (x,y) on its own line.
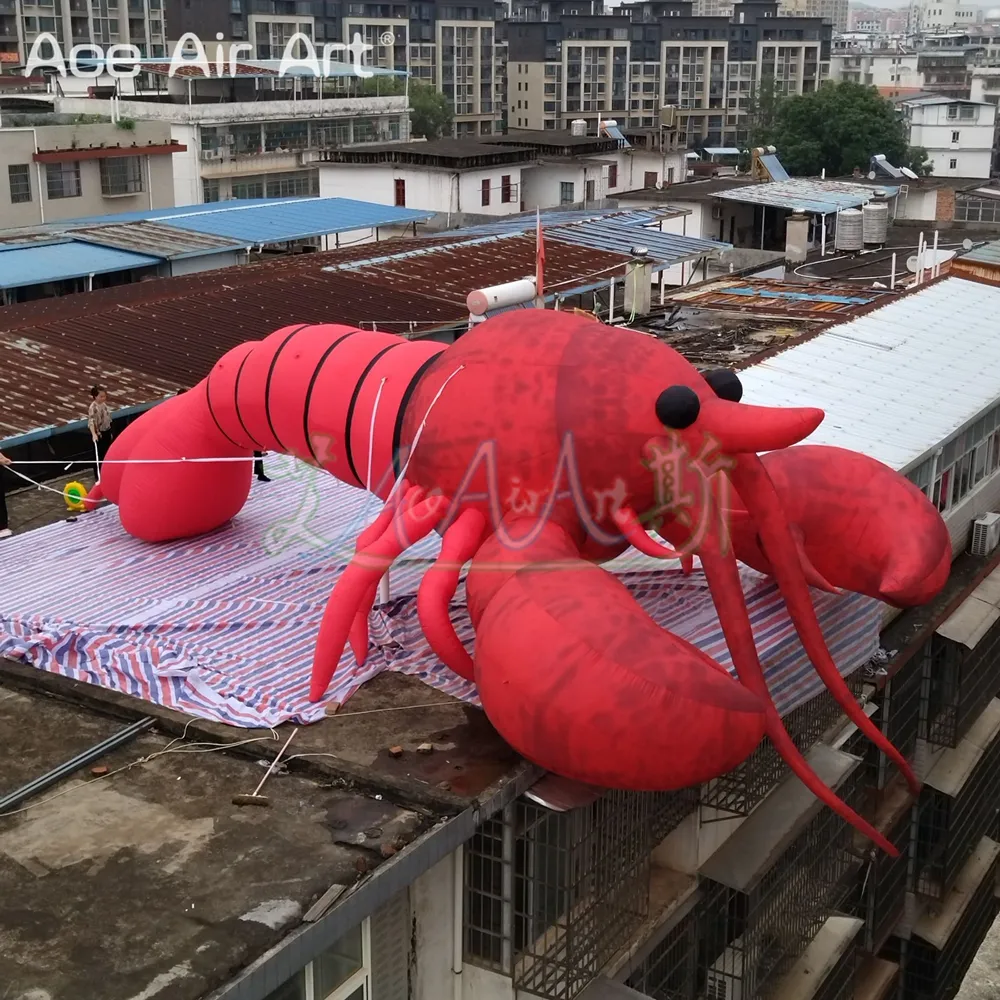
(136,461)
(371,436)
(420,430)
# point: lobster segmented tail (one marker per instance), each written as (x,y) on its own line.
(331,395)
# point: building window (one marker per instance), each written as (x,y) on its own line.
(19,177)
(649,179)
(953,164)
(505,189)
(210,191)
(567,193)
(62,180)
(343,972)
(590,195)
(121,175)
(486,192)
(248,188)
(400,193)
(954,136)
(613,175)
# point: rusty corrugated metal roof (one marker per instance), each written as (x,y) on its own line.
(168,242)
(146,340)
(783,297)
(44,385)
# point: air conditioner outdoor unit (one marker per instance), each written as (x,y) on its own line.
(985,535)
(724,980)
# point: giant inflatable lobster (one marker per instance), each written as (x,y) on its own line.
(539,445)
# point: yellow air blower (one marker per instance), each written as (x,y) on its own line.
(74,494)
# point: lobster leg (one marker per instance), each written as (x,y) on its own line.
(359,627)
(754,485)
(408,526)
(727,592)
(438,587)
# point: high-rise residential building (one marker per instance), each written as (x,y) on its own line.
(835,11)
(452,47)
(648,56)
(79,22)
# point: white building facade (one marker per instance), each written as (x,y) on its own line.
(958,135)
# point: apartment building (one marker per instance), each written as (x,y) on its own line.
(467,182)
(453,47)
(893,72)
(834,11)
(80,22)
(958,135)
(649,56)
(243,139)
(49,173)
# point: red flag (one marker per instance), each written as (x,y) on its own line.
(539,257)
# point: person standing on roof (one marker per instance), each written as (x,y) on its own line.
(5,531)
(99,422)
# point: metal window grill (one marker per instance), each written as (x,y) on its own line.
(882,880)
(741,790)
(747,940)
(552,897)
(900,713)
(121,175)
(669,971)
(839,983)
(961,683)
(948,828)
(930,974)
(667,810)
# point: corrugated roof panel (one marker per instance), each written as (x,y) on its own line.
(609,236)
(36,265)
(298,220)
(988,253)
(774,167)
(821,197)
(524,221)
(253,222)
(44,385)
(896,382)
(167,242)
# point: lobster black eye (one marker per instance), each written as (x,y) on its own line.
(677,407)
(725,384)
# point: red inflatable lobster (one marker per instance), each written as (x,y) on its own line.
(539,445)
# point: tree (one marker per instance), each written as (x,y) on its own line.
(917,161)
(837,128)
(762,112)
(430,112)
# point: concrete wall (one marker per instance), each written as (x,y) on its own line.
(917,204)
(208,262)
(18,146)
(187,166)
(441,191)
(542,184)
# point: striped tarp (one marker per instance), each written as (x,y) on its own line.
(223,627)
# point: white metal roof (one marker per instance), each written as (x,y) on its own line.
(897,382)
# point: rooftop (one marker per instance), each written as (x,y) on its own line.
(173,330)
(259,222)
(823,197)
(456,154)
(891,385)
(40,263)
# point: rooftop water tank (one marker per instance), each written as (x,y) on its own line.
(850,230)
(876,222)
(578,127)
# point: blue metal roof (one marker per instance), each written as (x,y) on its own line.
(35,265)
(254,222)
(164,214)
(665,249)
(524,222)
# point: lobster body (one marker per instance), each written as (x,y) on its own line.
(530,445)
